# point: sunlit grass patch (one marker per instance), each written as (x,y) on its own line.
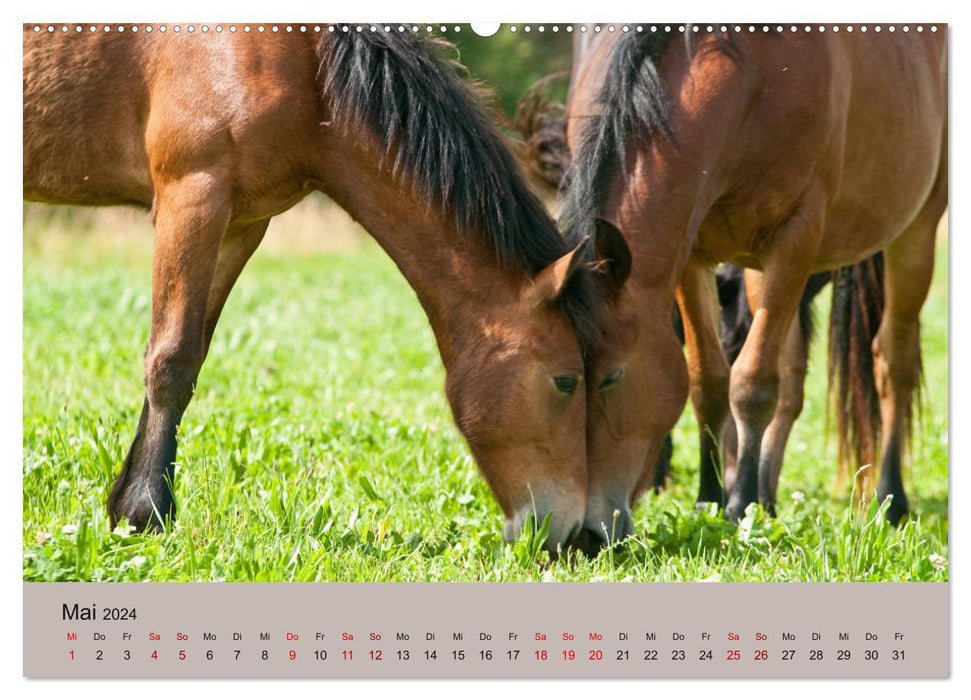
(319,446)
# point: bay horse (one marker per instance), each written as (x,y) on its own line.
(545,151)
(786,152)
(217,132)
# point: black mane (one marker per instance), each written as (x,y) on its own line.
(401,88)
(633,106)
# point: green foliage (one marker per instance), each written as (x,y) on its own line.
(510,62)
(319,446)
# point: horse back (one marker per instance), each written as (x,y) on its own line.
(860,118)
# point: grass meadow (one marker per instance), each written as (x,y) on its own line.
(319,445)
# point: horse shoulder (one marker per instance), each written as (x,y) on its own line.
(249,117)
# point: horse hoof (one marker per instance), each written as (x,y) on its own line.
(735,510)
(145,513)
(711,496)
(897,510)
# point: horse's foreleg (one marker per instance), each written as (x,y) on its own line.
(191,215)
(755,382)
(708,372)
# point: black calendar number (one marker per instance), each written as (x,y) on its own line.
(650,654)
(237,652)
(677,655)
(321,654)
(788,654)
(623,655)
(486,654)
(403,655)
(815,654)
(704,655)
(843,655)
(871,654)
(99,655)
(209,655)
(897,655)
(127,655)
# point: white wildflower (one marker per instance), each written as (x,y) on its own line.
(69,530)
(123,530)
(798,496)
(938,562)
(138,561)
(64,486)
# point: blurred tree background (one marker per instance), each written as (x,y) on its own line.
(510,62)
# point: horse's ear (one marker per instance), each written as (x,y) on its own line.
(612,253)
(549,284)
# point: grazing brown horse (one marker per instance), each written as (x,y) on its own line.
(788,153)
(218,132)
(546,155)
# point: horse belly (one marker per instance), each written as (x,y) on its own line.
(61,174)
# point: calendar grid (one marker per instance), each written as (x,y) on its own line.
(514,630)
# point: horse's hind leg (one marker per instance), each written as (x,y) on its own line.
(708,371)
(909,265)
(191,215)
(237,246)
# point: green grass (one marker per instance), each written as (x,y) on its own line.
(319,446)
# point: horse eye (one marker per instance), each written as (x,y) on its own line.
(567,383)
(612,378)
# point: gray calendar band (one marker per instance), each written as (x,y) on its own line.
(461,630)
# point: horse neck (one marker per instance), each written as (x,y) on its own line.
(667,187)
(660,207)
(456,275)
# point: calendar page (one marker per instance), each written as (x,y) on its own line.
(535,350)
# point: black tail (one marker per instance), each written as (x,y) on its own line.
(541,123)
(858,305)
